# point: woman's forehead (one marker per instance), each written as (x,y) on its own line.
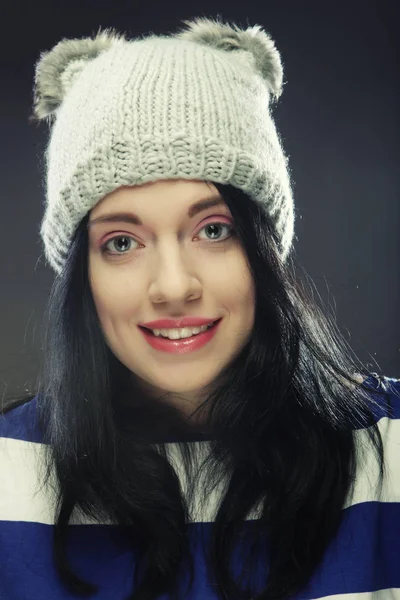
(191,196)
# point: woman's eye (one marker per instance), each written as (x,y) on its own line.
(117,244)
(213,230)
(121,243)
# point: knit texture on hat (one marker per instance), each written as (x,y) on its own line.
(191,105)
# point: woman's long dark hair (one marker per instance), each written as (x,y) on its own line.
(282,427)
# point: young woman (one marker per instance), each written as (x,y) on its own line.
(200,429)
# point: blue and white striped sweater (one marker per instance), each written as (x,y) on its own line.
(361,563)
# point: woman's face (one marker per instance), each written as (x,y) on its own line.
(174,264)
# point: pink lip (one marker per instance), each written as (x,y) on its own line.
(177,323)
(180,346)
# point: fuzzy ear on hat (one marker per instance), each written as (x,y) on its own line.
(57,69)
(253,40)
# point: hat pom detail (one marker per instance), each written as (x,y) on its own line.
(254,40)
(57,69)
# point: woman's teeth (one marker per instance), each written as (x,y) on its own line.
(185,332)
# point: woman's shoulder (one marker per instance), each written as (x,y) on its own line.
(385,414)
(385,406)
(387,388)
(18,420)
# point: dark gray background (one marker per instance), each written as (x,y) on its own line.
(339,121)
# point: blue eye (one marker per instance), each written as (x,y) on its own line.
(212,229)
(104,248)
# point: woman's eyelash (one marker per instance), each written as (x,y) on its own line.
(230,227)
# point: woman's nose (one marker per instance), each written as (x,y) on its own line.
(174,280)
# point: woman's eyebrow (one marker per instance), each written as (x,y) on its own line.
(127,217)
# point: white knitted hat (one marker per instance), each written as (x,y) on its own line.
(192,105)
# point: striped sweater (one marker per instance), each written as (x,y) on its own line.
(361,563)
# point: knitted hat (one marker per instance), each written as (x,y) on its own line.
(191,105)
